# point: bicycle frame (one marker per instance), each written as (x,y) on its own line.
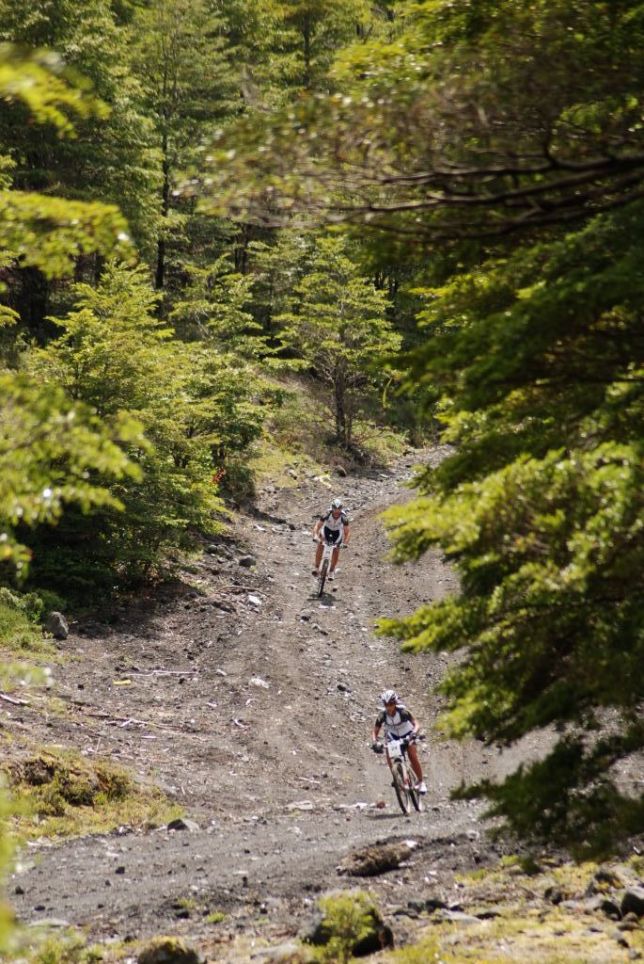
(325,563)
(404,778)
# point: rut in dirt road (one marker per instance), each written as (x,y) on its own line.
(251,702)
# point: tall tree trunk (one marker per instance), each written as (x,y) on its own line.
(159,279)
(339,391)
(240,250)
(306,33)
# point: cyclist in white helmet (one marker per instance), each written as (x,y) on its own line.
(331,527)
(398,722)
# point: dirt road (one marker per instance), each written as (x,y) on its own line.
(250,702)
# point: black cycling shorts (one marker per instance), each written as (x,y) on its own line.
(332,535)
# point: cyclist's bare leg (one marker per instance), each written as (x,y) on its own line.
(415,762)
(334,558)
(318,555)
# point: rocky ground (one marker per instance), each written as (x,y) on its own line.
(250,702)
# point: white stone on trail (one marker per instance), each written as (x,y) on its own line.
(258,681)
(301,805)
(254,600)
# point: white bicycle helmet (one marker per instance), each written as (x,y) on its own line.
(336,504)
(388,696)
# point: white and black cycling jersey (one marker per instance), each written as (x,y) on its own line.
(400,724)
(335,525)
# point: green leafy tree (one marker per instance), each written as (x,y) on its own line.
(48,445)
(338,326)
(117,357)
(540,508)
(284,47)
(181,60)
(231,393)
(529,111)
(213,306)
(51,452)
(276,267)
(109,153)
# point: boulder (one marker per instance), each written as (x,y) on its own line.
(376,859)
(633,902)
(56,624)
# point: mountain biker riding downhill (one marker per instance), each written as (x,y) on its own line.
(398,722)
(332,527)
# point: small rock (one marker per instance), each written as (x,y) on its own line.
(553,894)
(258,681)
(53,922)
(183,823)
(254,601)
(246,562)
(458,917)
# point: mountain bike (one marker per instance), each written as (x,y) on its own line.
(403,777)
(325,563)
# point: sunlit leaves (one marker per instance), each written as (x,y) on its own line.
(40,82)
(50,233)
(50,452)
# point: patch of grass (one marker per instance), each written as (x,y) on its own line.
(282,467)
(61,794)
(380,444)
(527,927)
(348,918)
(299,438)
(216,917)
(186,903)
(40,946)
(19,631)
(551,938)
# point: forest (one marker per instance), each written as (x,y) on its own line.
(235,227)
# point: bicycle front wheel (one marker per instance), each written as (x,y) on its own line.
(414,795)
(400,788)
(324,569)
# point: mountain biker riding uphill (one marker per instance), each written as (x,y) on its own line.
(331,527)
(398,722)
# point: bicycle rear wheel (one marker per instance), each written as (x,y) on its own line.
(402,794)
(324,569)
